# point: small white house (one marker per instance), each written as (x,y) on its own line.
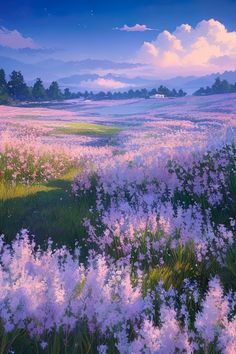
(158,95)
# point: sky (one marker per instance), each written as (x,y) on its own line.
(172,37)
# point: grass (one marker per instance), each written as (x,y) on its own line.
(46,210)
(86,129)
(50,210)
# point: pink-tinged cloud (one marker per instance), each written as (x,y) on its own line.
(15,40)
(104,84)
(209,47)
(135,28)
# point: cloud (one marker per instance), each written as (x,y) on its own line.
(15,40)
(209,47)
(135,28)
(102,83)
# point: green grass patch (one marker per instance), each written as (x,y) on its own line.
(46,210)
(86,129)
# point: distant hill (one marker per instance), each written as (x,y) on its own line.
(52,69)
(194,83)
(190,83)
(9,64)
(72,73)
(74,81)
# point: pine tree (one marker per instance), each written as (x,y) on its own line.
(3,88)
(54,92)
(38,91)
(181,93)
(17,87)
(3,82)
(67,93)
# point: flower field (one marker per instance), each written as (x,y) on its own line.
(119,234)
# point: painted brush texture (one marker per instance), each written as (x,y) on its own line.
(159,274)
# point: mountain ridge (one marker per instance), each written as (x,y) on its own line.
(72,73)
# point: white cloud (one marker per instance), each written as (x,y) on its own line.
(135,28)
(102,83)
(208,47)
(15,40)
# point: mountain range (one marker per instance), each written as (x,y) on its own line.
(80,75)
(190,83)
(52,69)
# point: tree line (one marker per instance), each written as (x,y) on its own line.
(219,86)
(141,93)
(16,89)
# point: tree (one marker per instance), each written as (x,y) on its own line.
(225,86)
(86,95)
(144,93)
(38,91)
(54,92)
(109,95)
(3,82)
(100,95)
(208,90)
(153,92)
(200,92)
(131,93)
(174,93)
(67,94)
(181,93)
(17,87)
(218,87)
(3,88)
(164,91)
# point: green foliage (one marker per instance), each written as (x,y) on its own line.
(47,210)
(8,339)
(219,86)
(50,210)
(17,87)
(170,93)
(3,82)
(29,168)
(4,98)
(142,93)
(228,271)
(53,92)
(38,91)
(180,264)
(85,129)
(67,93)
(57,342)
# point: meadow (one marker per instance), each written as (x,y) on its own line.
(118,223)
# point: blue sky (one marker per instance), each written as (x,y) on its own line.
(84,28)
(169,37)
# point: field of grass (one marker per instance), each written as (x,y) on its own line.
(47,210)
(86,129)
(50,210)
(143,256)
